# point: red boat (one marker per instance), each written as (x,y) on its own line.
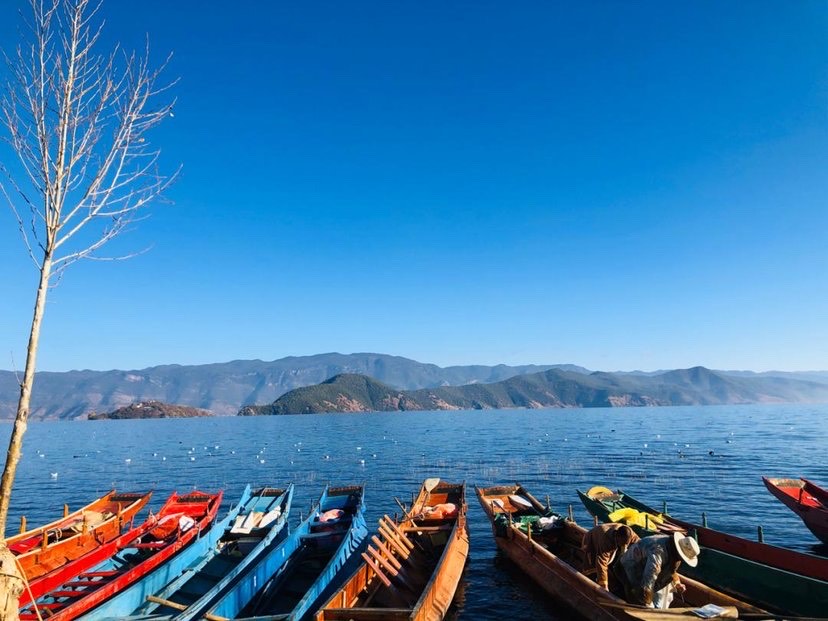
(44,549)
(82,584)
(805,498)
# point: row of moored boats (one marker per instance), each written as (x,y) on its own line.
(184,563)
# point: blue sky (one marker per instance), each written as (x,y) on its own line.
(620,185)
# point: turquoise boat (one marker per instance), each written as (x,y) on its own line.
(231,565)
(301,568)
(771,588)
(128,601)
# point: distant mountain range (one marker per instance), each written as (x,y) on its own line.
(551,388)
(223,388)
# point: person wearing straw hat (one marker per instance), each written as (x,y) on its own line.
(648,569)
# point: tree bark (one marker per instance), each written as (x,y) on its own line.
(22,417)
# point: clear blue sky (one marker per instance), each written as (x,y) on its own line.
(620,185)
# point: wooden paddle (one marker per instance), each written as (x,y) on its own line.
(429,485)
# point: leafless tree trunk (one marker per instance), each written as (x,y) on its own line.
(77,122)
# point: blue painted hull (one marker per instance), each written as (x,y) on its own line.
(289,553)
(220,571)
(128,601)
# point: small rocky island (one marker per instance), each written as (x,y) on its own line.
(151,409)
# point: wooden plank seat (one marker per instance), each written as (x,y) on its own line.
(150,545)
(99,574)
(67,594)
(367,614)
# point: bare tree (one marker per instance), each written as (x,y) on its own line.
(84,171)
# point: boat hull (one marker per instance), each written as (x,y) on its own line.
(414,571)
(83,584)
(763,585)
(81,533)
(806,499)
(559,579)
(232,565)
(308,547)
(554,560)
(128,601)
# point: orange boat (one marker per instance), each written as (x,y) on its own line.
(412,568)
(44,549)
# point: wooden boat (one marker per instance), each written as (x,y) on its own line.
(547,547)
(805,498)
(412,570)
(296,571)
(258,527)
(311,556)
(44,549)
(80,585)
(736,566)
(129,600)
(781,558)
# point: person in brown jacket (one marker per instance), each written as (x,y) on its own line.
(602,545)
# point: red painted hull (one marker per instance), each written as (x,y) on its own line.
(73,590)
(806,499)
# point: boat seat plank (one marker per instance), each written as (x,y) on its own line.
(152,545)
(99,574)
(72,594)
(367,614)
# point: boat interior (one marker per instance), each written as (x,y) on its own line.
(330,525)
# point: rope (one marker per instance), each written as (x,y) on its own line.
(22,576)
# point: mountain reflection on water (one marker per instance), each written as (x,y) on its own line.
(696,458)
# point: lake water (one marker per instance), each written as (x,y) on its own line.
(696,458)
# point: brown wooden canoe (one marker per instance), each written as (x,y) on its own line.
(48,547)
(411,569)
(552,558)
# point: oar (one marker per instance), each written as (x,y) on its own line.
(429,485)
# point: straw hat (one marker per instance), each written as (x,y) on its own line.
(688,548)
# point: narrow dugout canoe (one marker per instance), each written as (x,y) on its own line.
(412,570)
(784,591)
(547,547)
(82,584)
(805,498)
(46,548)
(260,524)
(311,556)
(28,539)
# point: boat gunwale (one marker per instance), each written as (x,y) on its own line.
(134,573)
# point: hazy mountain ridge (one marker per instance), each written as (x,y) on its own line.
(224,387)
(551,388)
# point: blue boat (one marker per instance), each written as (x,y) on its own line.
(231,565)
(129,600)
(309,560)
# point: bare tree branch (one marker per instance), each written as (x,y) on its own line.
(78,123)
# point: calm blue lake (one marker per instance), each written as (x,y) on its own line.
(696,458)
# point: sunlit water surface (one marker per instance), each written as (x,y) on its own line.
(696,458)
